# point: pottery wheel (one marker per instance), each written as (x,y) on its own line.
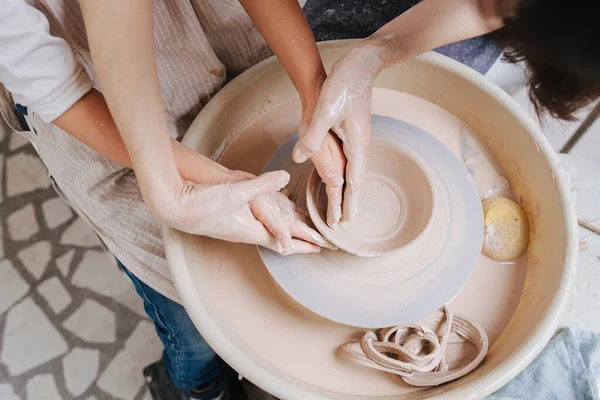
(404,286)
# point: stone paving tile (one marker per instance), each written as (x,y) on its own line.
(25,173)
(29,339)
(56,212)
(55,294)
(1,174)
(40,358)
(589,145)
(93,323)
(22,224)
(17,141)
(36,257)
(63,263)
(1,241)
(14,287)
(43,387)
(121,378)
(7,392)
(80,234)
(80,367)
(97,272)
(147,396)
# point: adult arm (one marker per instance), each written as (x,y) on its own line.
(121,40)
(120,35)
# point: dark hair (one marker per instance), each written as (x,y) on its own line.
(559,40)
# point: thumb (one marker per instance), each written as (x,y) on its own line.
(246,191)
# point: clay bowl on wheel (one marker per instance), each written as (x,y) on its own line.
(395,207)
(434,220)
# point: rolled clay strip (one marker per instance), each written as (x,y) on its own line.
(415,352)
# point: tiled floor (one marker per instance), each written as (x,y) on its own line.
(66,332)
(589,145)
(69,332)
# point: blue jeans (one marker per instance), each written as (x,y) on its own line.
(188,358)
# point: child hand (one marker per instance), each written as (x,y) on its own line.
(330,163)
(248,209)
(344,108)
(222,211)
(285,221)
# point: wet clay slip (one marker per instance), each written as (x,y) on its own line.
(395,206)
(264,334)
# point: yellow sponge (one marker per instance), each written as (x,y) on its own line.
(506,233)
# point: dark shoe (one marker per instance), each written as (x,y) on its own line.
(160,384)
(213,390)
(225,387)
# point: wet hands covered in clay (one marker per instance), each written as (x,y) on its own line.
(344,107)
(285,221)
(249,210)
(330,163)
(224,205)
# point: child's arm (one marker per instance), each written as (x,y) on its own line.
(284,27)
(90,122)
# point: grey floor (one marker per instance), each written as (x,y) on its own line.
(71,324)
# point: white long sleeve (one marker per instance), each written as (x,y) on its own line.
(38,69)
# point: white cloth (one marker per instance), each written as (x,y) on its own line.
(37,68)
(567,368)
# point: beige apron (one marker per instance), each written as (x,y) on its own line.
(197,43)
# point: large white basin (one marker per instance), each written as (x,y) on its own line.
(200,265)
